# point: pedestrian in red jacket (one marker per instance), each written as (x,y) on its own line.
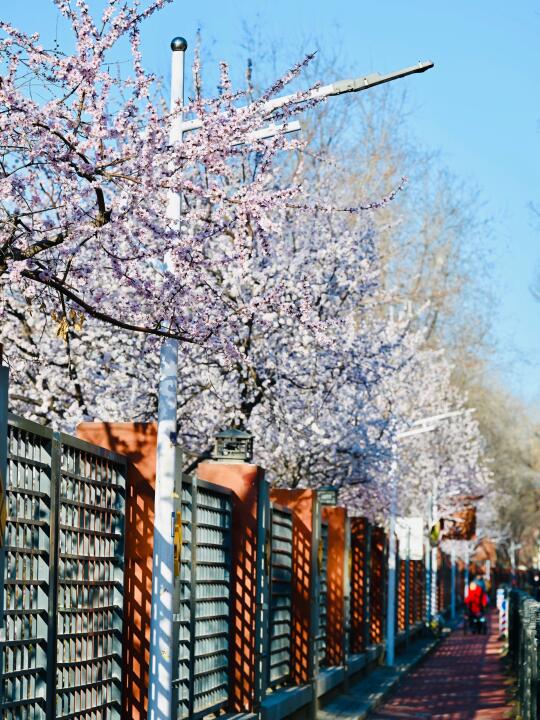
(477,599)
(476,602)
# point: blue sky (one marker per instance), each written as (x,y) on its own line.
(480,107)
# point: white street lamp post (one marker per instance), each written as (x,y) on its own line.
(161,619)
(392,562)
(434,562)
(162,611)
(424,425)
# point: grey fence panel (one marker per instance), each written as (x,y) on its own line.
(28,668)
(64,578)
(204,612)
(90,584)
(280,616)
(323,593)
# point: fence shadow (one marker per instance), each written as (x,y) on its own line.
(335,648)
(359,584)
(377,585)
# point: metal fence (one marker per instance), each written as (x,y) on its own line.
(64,589)
(202,683)
(280,614)
(523,640)
(63,577)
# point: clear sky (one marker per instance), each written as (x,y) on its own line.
(480,106)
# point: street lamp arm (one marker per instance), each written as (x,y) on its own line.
(416,431)
(340,87)
(362,83)
(442,416)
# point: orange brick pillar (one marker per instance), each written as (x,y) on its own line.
(303,504)
(336,518)
(401,594)
(378,585)
(360,572)
(138,442)
(245,481)
(440,581)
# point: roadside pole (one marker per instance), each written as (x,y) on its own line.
(161,622)
(4,384)
(392,563)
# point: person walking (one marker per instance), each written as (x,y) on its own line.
(476,602)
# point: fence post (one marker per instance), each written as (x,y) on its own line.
(313,658)
(56,461)
(4,384)
(262,607)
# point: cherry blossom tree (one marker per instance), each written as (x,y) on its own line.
(272,282)
(86,171)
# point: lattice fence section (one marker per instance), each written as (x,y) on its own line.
(321,639)
(28,584)
(63,577)
(204,613)
(359,578)
(280,619)
(90,582)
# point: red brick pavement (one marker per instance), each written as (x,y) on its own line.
(462,680)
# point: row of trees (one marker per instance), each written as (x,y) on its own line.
(312,292)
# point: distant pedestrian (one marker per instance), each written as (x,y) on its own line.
(476,603)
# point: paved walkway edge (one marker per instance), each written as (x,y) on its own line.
(372,690)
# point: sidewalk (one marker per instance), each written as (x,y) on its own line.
(463,679)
